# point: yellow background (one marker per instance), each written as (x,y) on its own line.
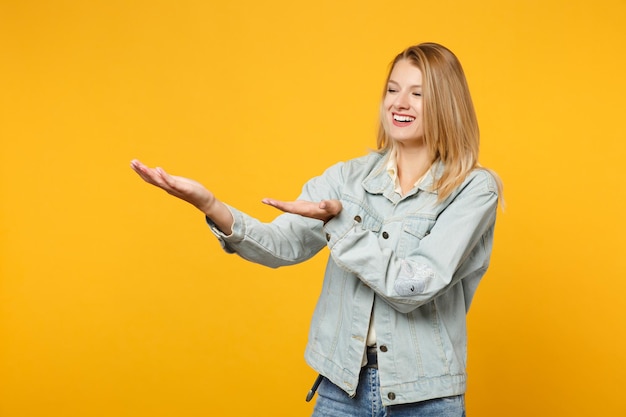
(115,300)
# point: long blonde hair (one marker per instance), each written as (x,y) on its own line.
(450,126)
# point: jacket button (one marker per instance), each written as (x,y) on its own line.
(383,348)
(327,237)
(357,219)
(385,235)
(391,396)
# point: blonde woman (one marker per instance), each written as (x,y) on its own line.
(410,231)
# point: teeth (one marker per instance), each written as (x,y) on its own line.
(399,118)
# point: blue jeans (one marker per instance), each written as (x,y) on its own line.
(332,401)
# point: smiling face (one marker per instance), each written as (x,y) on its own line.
(402,104)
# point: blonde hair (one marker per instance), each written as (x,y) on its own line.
(450,126)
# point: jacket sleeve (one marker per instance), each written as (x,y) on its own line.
(288,239)
(454,249)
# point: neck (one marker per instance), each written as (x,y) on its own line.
(413,162)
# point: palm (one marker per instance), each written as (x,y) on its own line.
(184,188)
(324,210)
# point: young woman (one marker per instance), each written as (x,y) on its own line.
(410,231)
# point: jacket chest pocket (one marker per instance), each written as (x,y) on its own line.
(414,230)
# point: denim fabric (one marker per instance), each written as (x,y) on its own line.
(409,262)
(332,401)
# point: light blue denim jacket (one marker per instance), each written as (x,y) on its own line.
(413,262)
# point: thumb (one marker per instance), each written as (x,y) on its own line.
(330,206)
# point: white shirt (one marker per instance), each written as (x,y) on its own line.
(392,170)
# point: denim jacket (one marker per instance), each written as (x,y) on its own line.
(411,263)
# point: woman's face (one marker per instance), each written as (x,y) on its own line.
(402,104)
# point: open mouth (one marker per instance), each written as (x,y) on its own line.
(401,118)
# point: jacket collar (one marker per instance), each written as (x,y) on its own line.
(378,181)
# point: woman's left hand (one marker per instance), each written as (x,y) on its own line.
(324,210)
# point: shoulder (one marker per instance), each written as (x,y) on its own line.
(356,167)
(482,180)
(368,160)
(332,182)
(479,185)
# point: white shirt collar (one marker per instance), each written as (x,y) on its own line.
(392,170)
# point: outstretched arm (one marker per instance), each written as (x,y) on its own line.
(190,191)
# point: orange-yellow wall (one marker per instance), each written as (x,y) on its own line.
(115,300)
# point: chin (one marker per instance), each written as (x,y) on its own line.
(408,140)
(407,137)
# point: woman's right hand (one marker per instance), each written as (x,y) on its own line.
(184,188)
(190,191)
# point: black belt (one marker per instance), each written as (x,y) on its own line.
(372,357)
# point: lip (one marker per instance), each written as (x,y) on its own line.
(399,123)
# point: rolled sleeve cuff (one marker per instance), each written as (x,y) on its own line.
(339,226)
(237,234)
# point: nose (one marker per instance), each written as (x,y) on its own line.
(402,101)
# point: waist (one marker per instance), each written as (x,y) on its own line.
(372,357)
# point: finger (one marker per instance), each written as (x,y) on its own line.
(331,206)
(271,202)
(137,166)
(280,205)
(327,205)
(267,201)
(152,176)
(144,172)
(169,182)
(164,176)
